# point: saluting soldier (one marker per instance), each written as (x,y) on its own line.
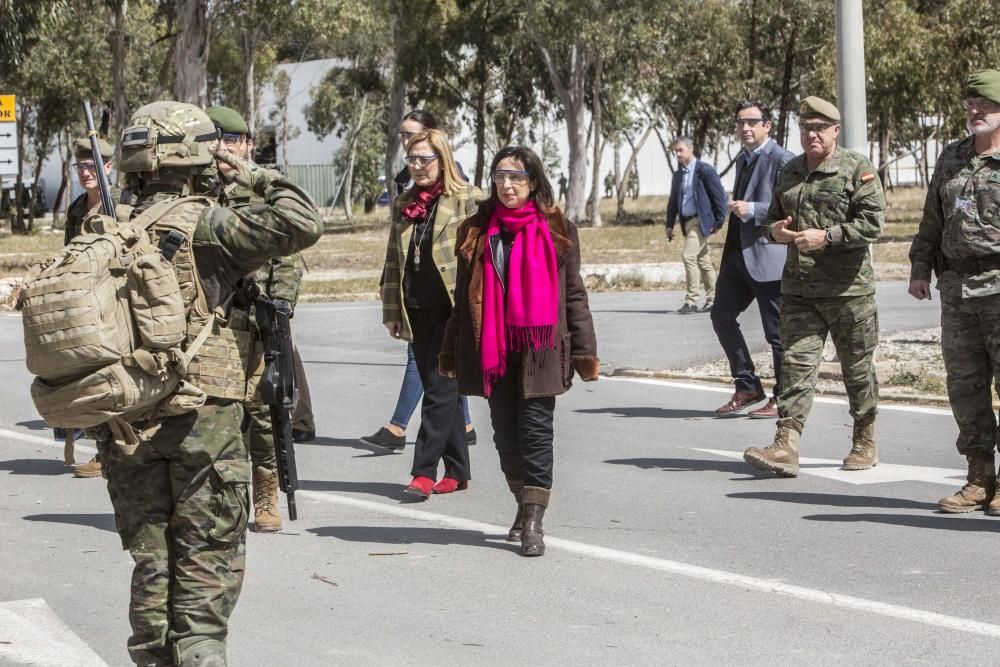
(959,238)
(829,208)
(280,278)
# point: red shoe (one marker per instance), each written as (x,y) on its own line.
(449,485)
(420,486)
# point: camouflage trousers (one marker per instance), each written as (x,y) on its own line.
(852,323)
(258,434)
(970,342)
(181,507)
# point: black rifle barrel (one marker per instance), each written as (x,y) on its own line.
(107,201)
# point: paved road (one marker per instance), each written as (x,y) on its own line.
(664,547)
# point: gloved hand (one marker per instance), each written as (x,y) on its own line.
(246,173)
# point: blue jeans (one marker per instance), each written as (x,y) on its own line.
(412,391)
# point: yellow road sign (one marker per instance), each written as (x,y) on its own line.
(8,111)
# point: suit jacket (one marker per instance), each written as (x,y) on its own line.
(764,258)
(709,198)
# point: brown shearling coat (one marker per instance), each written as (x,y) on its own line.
(545,373)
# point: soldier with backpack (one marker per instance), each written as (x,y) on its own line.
(128,332)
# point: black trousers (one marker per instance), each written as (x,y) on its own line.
(522,429)
(734,292)
(442,422)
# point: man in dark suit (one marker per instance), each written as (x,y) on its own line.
(751,263)
(697,197)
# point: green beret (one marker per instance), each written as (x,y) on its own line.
(228,120)
(81,149)
(814,107)
(984,83)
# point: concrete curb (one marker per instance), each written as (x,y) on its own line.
(885,395)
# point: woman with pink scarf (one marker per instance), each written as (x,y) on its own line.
(520,327)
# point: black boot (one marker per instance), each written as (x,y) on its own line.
(514,534)
(534,500)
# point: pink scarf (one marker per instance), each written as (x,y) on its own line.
(417,209)
(527,317)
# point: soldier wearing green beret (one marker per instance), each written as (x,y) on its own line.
(829,207)
(280,278)
(86,170)
(959,240)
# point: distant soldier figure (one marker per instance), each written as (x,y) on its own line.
(280,278)
(959,239)
(180,493)
(829,207)
(563,186)
(609,185)
(87,203)
(86,170)
(633,183)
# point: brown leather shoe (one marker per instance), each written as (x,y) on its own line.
(769,411)
(740,400)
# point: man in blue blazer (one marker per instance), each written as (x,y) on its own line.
(751,262)
(697,197)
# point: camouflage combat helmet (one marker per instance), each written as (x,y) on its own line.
(166,135)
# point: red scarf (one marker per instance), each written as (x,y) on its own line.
(422,199)
(526,316)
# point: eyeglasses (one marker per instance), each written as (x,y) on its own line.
(503,176)
(749,122)
(419,161)
(980,104)
(233,139)
(86,166)
(818,128)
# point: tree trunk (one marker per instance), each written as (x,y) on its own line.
(620,184)
(349,178)
(116,37)
(595,120)
(619,190)
(191,52)
(786,86)
(17,224)
(248,95)
(397,99)
(65,155)
(482,81)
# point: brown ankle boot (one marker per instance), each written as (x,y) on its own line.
(782,456)
(266,515)
(979,489)
(514,534)
(534,500)
(91,468)
(863,454)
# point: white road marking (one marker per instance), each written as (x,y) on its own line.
(883,472)
(32,634)
(921,409)
(682,569)
(21,436)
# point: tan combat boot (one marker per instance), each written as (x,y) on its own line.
(91,468)
(978,491)
(863,455)
(782,456)
(266,514)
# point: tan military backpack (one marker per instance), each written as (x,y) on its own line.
(112,328)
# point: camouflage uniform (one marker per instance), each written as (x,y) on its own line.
(78,212)
(181,502)
(831,290)
(959,238)
(280,278)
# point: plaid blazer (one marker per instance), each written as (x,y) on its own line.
(451,210)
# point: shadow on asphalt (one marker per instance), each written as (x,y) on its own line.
(353,443)
(694,465)
(835,500)
(387,535)
(35,467)
(100,521)
(383,489)
(935,522)
(35,425)
(657,413)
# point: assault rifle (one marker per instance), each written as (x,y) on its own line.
(107,201)
(277,385)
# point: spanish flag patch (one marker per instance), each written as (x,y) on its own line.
(870,176)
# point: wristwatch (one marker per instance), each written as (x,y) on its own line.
(829,237)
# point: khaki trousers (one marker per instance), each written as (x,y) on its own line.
(698,267)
